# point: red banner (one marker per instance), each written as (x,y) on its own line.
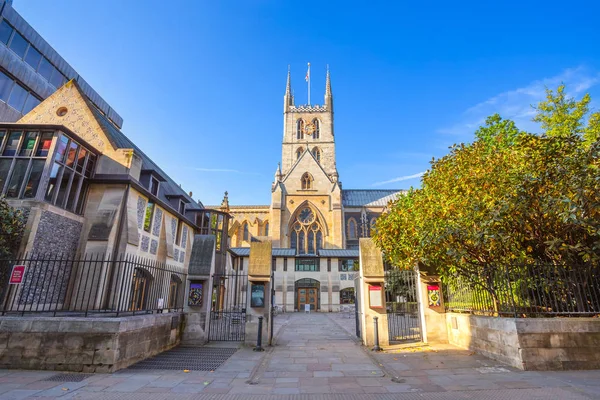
(16,277)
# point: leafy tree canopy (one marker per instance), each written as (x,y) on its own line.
(12,223)
(508,197)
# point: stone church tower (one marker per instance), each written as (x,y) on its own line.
(306,208)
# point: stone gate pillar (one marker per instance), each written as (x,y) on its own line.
(259,291)
(372,296)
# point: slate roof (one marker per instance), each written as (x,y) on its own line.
(338,253)
(366,197)
(245,252)
(119,140)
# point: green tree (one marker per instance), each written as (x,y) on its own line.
(12,224)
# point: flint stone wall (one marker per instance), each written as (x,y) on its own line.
(535,344)
(85,344)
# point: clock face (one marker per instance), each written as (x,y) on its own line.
(309,129)
(306,216)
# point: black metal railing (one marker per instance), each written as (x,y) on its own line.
(529,290)
(90,285)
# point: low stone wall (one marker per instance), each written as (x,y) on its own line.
(85,344)
(530,343)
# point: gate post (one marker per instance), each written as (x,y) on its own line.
(259,291)
(372,298)
(433,313)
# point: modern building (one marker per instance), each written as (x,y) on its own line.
(314,224)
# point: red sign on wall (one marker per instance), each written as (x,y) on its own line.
(16,277)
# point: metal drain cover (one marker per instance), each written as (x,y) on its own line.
(66,377)
(192,358)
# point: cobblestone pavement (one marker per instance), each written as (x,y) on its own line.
(316,356)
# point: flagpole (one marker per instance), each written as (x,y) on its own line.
(309,84)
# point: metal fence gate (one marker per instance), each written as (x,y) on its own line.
(228,308)
(402,306)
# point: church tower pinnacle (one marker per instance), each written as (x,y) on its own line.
(328,95)
(288,98)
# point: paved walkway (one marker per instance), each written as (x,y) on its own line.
(317,357)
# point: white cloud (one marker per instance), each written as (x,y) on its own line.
(400,179)
(516,104)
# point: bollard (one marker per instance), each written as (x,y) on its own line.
(259,338)
(376,332)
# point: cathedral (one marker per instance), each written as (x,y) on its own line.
(313,223)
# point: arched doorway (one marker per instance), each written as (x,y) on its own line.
(307,291)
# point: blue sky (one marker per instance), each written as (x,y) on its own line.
(200,84)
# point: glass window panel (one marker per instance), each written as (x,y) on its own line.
(148,216)
(17,98)
(179,229)
(28,144)
(301,248)
(82,196)
(73,192)
(2,135)
(19,44)
(33,181)
(45,68)
(4,168)
(311,242)
(31,103)
(54,173)
(64,187)
(57,79)
(16,180)
(12,144)
(61,148)
(81,159)
(33,57)
(72,155)
(44,144)
(89,167)
(5,31)
(154,186)
(6,83)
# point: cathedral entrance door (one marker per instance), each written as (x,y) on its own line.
(307,296)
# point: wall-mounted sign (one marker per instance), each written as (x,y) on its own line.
(195,296)
(433,294)
(375,297)
(257,295)
(17,274)
(161,304)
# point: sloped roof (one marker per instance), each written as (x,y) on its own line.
(119,140)
(281,252)
(338,253)
(366,197)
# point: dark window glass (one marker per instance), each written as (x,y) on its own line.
(154,186)
(181,207)
(311,242)
(61,148)
(2,135)
(31,103)
(17,97)
(89,167)
(6,84)
(5,31)
(12,144)
(148,216)
(307,264)
(33,182)
(64,187)
(81,159)
(45,68)
(16,180)
(73,192)
(57,78)
(267,229)
(28,144)
(301,238)
(33,57)
(54,173)
(285,265)
(44,144)
(18,44)
(179,230)
(4,168)
(81,197)
(72,155)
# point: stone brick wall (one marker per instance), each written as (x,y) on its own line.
(56,234)
(85,344)
(530,343)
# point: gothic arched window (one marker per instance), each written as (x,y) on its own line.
(266,229)
(246,234)
(317,153)
(306,232)
(351,228)
(317,129)
(299,152)
(300,129)
(306,181)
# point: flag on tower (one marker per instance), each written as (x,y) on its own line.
(307,78)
